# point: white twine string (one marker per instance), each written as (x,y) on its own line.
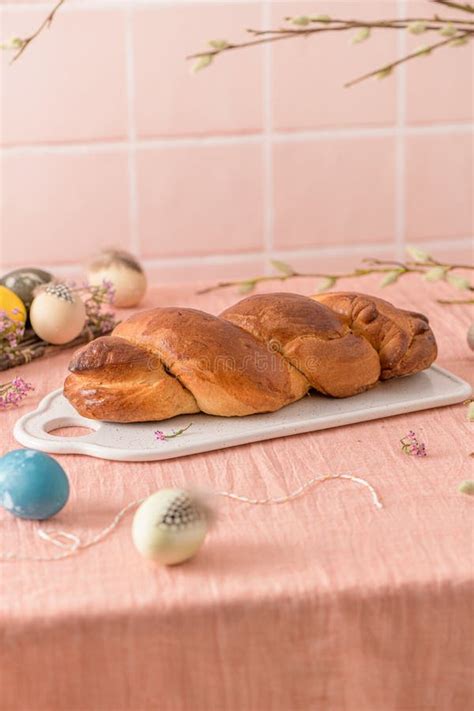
(72,544)
(301,489)
(55,537)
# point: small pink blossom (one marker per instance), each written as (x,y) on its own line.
(11,331)
(12,393)
(162,437)
(411,445)
(100,319)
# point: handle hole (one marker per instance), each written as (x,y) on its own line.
(70,427)
(71,431)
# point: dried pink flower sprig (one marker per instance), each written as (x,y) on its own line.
(411,445)
(11,331)
(12,393)
(100,294)
(99,320)
(162,437)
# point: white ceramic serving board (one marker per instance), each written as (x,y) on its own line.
(136,442)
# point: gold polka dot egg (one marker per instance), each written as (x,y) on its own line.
(57,314)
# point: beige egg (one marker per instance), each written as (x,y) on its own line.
(57,315)
(124,272)
(170,526)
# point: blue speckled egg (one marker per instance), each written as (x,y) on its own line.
(32,484)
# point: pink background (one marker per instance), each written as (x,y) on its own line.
(108,139)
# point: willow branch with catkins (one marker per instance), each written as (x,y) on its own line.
(19,44)
(420,263)
(454,32)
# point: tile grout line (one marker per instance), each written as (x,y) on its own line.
(100,5)
(247,257)
(267,147)
(242,139)
(134,242)
(400,147)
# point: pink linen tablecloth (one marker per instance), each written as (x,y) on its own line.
(324,603)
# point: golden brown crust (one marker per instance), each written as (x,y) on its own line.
(107,351)
(259,355)
(312,338)
(226,369)
(403,339)
(111,379)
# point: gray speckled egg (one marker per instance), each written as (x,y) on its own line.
(24,281)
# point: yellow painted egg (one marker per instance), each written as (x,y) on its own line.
(12,305)
(57,315)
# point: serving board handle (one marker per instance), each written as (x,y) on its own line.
(137,442)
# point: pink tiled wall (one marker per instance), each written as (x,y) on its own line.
(108,139)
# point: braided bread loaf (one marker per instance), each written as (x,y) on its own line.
(259,355)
